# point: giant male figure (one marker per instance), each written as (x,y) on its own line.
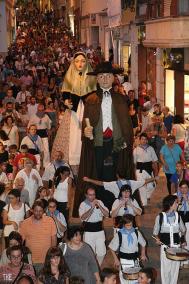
(107,143)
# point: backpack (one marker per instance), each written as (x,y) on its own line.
(120,238)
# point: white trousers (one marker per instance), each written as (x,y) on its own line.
(46,158)
(187,241)
(146,190)
(169,269)
(97,242)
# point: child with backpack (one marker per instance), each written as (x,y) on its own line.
(169,231)
(125,247)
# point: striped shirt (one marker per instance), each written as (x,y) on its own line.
(38,236)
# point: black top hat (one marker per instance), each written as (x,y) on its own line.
(105,67)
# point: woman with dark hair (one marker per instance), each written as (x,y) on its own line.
(11,130)
(146,276)
(179,130)
(55,270)
(14,213)
(169,231)
(62,190)
(58,218)
(125,204)
(79,257)
(15,239)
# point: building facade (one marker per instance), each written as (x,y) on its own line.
(7,24)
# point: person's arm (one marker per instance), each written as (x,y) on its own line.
(155,168)
(87,214)
(6,220)
(173,131)
(97,277)
(163,162)
(137,211)
(69,192)
(156,230)
(53,241)
(148,180)
(93,181)
(116,210)
(104,211)
(182,157)
(17,137)
(60,225)
(143,253)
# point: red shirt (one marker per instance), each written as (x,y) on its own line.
(21,157)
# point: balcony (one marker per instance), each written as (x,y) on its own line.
(167,32)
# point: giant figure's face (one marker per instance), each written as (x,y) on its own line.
(105,80)
(80,63)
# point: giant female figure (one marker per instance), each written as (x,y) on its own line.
(76,87)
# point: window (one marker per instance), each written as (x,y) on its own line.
(128,4)
(183,6)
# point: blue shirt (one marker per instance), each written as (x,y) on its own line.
(171,157)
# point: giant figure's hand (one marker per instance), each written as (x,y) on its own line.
(88,132)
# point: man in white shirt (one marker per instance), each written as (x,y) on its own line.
(146,119)
(146,164)
(92,211)
(21,96)
(32,107)
(43,123)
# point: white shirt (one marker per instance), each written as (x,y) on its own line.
(3,178)
(125,247)
(14,215)
(121,211)
(112,186)
(50,171)
(31,185)
(61,191)
(26,140)
(96,215)
(21,96)
(12,134)
(41,123)
(144,155)
(106,108)
(32,109)
(146,121)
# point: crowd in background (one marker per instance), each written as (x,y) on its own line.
(31,110)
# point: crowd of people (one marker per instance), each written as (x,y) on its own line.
(37,178)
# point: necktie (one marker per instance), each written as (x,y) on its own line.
(106,93)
